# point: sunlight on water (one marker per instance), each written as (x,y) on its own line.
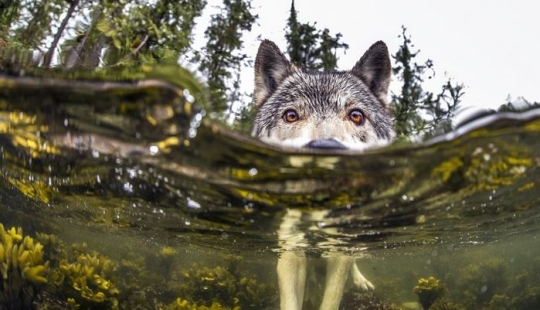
(165,208)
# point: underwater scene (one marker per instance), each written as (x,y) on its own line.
(121,192)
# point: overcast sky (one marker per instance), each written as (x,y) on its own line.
(493,47)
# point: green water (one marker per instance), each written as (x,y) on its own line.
(162,208)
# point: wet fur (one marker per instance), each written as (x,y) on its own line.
(323,101)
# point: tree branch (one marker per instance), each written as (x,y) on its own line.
(48,56)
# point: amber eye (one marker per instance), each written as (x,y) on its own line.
(356,116)
(290,116)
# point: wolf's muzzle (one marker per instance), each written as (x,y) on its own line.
(326,144)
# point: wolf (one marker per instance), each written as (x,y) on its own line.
(330,110)
(316,110)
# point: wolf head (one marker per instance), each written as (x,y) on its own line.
(333,110)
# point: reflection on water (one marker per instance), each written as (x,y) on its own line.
(137,200)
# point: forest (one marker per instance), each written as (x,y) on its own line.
(99,34)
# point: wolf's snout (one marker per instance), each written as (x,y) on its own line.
(325,144)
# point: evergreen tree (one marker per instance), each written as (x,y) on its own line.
(90,34)
(220,59)
(94,33)
(417,111)
(309,47)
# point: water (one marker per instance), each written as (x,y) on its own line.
(163,208)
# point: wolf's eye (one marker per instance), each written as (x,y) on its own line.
(290,116)
(356,116)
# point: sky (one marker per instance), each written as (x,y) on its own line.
(492,47)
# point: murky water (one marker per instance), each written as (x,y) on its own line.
(141,202)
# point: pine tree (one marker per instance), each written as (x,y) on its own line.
(90,34)
(309,47)
(220,59)
(416,111)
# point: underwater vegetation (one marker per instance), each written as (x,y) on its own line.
(31,278)
(428,291)
(485,168)
(88,281)
(489,284)
(43,273)
(485,282)
(22,267)
(227,286)
(181,304)
(364,301)
(480,280)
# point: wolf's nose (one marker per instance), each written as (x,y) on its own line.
(325,144)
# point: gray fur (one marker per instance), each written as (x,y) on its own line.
(322,100)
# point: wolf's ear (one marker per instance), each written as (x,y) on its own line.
(374,69)
(271,68)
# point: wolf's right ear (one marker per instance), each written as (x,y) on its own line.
(374,69)
(271,68)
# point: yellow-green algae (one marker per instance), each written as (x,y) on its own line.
(82,278)
(27,276)
(44,274)
(485,168)
(87,276)
(22,267)
(428,291)
(227,285)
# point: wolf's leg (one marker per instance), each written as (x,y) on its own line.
(359,280)
(292,262)
(337,270)
(291,269)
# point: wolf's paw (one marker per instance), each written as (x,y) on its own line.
(364,284)
(360,281)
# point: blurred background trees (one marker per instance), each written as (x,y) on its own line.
(96,34)
(310,47)
(418,111)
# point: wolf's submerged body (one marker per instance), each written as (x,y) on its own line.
(319,110)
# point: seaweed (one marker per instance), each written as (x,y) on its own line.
(226,286)
(353,300)
(480,281)
(22,267)
(446,305)
(45,274)
(428,291)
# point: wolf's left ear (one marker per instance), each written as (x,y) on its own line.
(374,69)
(271,68)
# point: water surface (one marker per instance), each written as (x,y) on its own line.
(187,211)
